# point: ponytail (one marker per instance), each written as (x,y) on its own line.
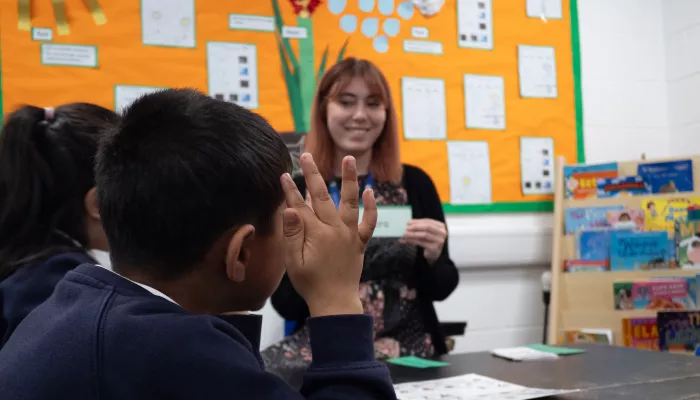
(46,159)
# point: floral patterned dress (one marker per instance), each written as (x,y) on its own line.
(388,293)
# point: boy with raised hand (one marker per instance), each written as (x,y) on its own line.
(200,230)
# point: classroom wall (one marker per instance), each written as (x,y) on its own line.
(682,34)
(502,257)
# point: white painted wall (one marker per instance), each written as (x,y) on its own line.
(502,257)
(682,33)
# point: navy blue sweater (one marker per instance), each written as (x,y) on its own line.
(100,336)
(30,286)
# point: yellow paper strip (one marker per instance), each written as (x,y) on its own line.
(97,14)
(59,12)
(24,22)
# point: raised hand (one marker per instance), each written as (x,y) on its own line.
(324,246)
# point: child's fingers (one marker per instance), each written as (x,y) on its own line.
(349,196)
(320,198)
(292,196)
(369,218)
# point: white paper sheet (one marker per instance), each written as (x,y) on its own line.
(232,70)
(470,172)
(125,94)
(475,24)
(424,110)
(546,8)
(169,23)
(69,55)
(485,102)
(470,387)
(537,71)
(537,165)
(247,22)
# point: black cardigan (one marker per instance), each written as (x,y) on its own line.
(434,282)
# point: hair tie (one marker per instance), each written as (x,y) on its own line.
(49,113)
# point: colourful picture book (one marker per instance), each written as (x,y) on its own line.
(626,219)
(586,265)
(661,215)
(577,219)
(668,177)
(594,336)
(622,186)
(640,333)
(581,181)
(672,293)
(593,244)
(688,241)
(678,330)
(631,250)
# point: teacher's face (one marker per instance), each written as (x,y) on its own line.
(356,118)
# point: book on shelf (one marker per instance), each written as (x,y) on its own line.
(687,241)
(631,219)
(668,176)
(585,218)
(631,250)
(659,293)
(586,265)
(622,186)
(640,333)
(679,330)
(594,336)
(581,181)
(661,214)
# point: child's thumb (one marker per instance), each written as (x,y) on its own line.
(293,233)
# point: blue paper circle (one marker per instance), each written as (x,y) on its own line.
(381,44)
(366,5)
(405,10)
(348,23)
(370,27)
(391,26)
(336,6)
(386,7)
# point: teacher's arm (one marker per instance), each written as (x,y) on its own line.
(438,278)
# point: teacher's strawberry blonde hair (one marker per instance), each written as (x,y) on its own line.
(386,161)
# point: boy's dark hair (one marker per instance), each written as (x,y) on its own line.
(179,171)
(46,169)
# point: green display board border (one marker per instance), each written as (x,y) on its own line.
(506,207)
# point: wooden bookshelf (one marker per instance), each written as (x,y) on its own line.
(581,300)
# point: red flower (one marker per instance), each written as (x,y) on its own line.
(305,8)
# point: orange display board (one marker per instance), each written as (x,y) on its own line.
(188,43)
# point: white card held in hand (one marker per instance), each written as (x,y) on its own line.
(392,221)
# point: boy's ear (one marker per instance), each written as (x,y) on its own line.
(91,207)
(238,253)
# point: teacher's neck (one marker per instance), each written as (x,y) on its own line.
(362,161)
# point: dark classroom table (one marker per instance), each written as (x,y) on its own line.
(602,372)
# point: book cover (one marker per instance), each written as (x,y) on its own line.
(593,244)
(622,186)
(626,219)
(581,181)
(595,336)
(673,293)
(668,177)
(688,241)
(678,330)
(638,250)
(586,265)
(576,219)
(661,215)
(640,333)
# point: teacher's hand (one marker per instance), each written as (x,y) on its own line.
(428,234)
